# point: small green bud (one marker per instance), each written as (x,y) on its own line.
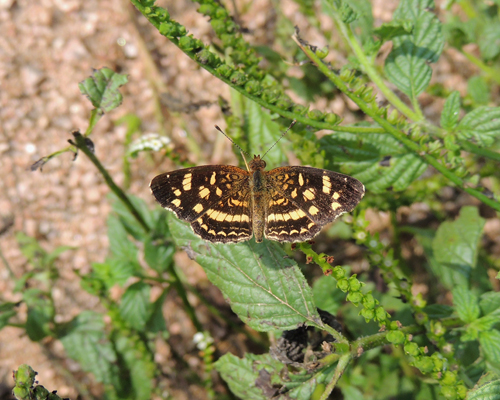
(186,43)
(338,273)
(425,364)
(380,314)
(284,103)
(221,13)
(205,56)
(367,314)
(332,119)
(448,392)
(299,109)
(355,297)
(393,117)
(343,284)
(238,78)
(449,378)
(219,26)
(354,283)
(322,53)
(396,337)
(271,95)
(369,301)
(253,87)
(229,40)
(224,70)
(316,115)
(412,349)
(346,75)
(206,9)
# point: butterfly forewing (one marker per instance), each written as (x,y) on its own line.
(304,199)
(213,198)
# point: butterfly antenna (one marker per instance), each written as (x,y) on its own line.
(243,152)
(283,134)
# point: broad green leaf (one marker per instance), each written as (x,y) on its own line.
(135,307)
(489,39)
(139,365)
(119,242)
(102,89)
(451,109)
(251,377)
(159,254)
(490,302)
(263,286)
(128,220)
(114,271)
(449,276)
(85,341)
(407,64)
(466,304)
(478,90)
(490,345)
(490,391)
(377,160)
(307,387)
(40,314)
(456,243)
(481,124)
(437,311)
(156,322)
(326,295)
(263,133)
(392,29)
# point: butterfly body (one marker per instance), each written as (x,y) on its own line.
(227,204)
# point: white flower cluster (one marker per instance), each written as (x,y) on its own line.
(150,142)
(202,340)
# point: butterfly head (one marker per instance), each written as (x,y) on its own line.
(257,164)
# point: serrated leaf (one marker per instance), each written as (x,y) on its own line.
(361,157)
(490,391)
(158,254)
(478,90)
(490,345)
(305,390)
(40,314)
(85,341)
(326,295)
(489,39)
(263,286)
(438,311)
(456,243)
(102,89)
(128,220)
(119,242)
(449,276)
(114,271)
(451,109)
(156,322)
(139,365)
(490,302)
(392,29)
(466,304)
(135,307)
(249,378)
(407,64)
(481,124)
(262,133)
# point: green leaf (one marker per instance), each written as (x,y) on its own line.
(451,109)
(128,220)
(40,314)
(449,276)
(135,307)
(326,295)
(102,89)
(361,157)
(466,304)
(456,243)
(262,284)
(85,341)
(114,271)
(138,364)
(478,90)
(489,39)
(389,30)
(407,64)
(7,311)
(490,302)
(262,133)
(156,322)
(488,388)
(481,124)
(119,242)
(490,346)
(159,254)
(251,377)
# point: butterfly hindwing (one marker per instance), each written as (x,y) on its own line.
(318,196)
(213,198)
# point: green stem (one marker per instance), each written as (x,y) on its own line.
(396,133)
(339,371)
(284,113)
(371,71)
(480,151)
(81,145)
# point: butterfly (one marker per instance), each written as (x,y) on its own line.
(227,204)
